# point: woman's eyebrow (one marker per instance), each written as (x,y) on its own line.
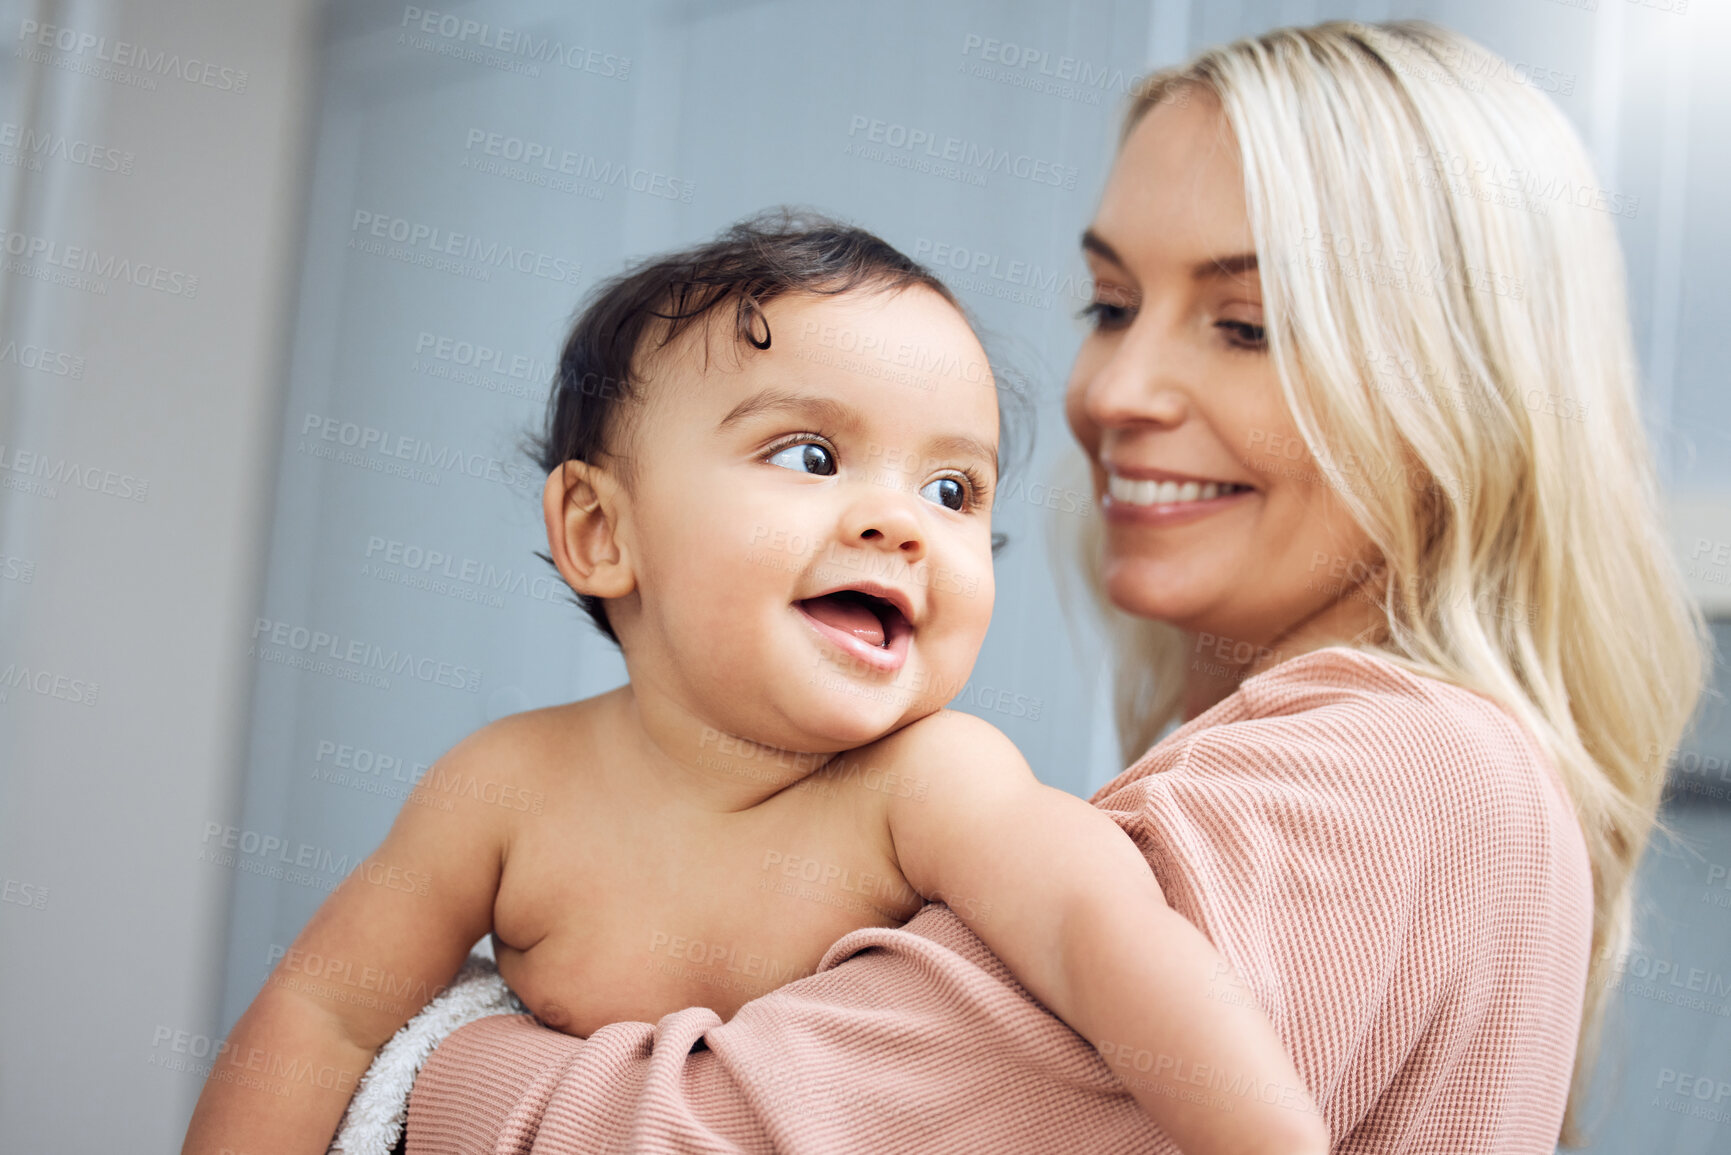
(1093,242)
(1237,265)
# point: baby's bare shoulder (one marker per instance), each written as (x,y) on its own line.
(518,761)
(950,746)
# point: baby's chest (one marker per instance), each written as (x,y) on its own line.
(632,928)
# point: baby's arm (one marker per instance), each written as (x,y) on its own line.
(1064,897)
(391,935)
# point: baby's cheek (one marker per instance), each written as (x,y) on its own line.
(951,656)
(972,595)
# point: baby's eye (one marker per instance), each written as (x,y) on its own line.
(948,492)
(807,457)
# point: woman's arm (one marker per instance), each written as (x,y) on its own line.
(1398,959)
(1058,892)
(909,1039)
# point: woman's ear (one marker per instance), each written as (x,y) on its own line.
(582,505)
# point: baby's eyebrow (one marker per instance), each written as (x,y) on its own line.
(959,445)
(826,409)
(829,411)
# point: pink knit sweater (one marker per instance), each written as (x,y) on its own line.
(1389,861)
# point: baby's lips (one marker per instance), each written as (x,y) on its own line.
(877,596)
(889,654)
(850,616)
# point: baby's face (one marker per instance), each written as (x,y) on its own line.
(810,524)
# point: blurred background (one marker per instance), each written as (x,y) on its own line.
(281,286)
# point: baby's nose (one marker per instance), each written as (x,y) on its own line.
(885,521)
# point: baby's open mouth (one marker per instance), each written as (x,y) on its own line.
(866,625)
(860,615)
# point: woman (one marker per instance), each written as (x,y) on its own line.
(1420,622)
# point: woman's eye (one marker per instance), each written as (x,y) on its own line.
(1244,335)
(807,457)
(1105,315)
(947,492)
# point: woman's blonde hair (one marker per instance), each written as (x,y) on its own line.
(1444,293)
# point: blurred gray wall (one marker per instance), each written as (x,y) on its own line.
(139,415)
(270,529)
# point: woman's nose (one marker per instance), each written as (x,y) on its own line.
(1138,383)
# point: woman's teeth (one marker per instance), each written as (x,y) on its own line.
(1131,491)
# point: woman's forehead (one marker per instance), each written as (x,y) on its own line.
(1175,189)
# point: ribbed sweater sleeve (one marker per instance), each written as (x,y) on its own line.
(1388,862)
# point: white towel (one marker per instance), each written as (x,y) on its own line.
(380,1106)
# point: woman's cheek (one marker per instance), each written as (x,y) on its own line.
(1086,433)
(1075,392)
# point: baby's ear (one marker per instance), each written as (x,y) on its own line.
(582,505)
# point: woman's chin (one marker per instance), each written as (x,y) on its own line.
(1146,589)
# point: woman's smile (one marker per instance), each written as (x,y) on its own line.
(1141,496)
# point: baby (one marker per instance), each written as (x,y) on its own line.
(771,464)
